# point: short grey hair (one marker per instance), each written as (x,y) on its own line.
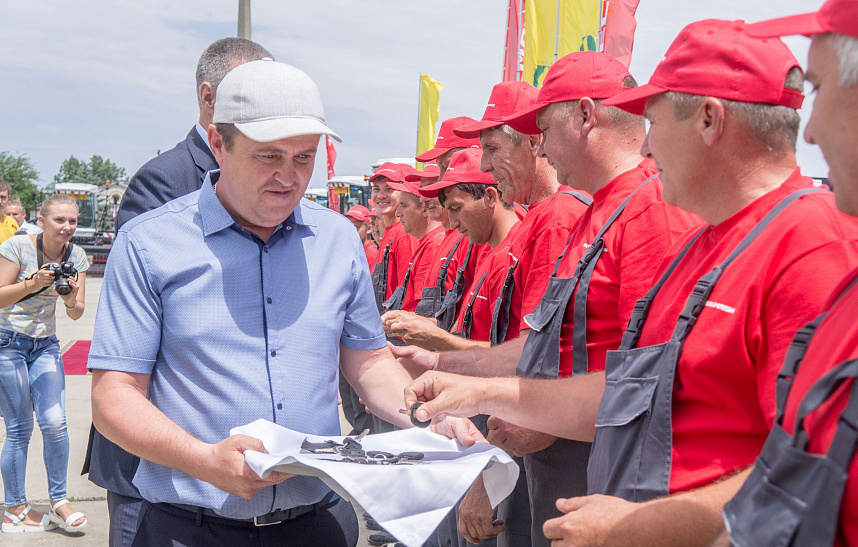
(775,126)
(221,56)
(516,137)
(18,202)
(846,50)
(616,117)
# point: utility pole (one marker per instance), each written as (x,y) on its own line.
(244,19)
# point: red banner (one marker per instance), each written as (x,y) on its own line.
(332,156)
(618,31)
(514,42)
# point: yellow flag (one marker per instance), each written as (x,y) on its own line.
(579,26)
(430,110)
(545,40)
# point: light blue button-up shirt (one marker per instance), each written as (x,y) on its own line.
(232,329)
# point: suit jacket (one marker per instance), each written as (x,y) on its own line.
(171,175)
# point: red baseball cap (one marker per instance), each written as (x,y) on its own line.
(573,77)
(839,16)
(447,139)
(506,99)
(407,186)
(393,171)
(358,212)
(431,170)
(719,59)
(464,167)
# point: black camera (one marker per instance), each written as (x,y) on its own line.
(62,272)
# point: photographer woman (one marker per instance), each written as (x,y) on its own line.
(31,367)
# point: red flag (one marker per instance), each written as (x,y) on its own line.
(618,34)
(332,155)
(513,48)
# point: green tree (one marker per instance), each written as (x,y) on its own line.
(21,176)
(96,171)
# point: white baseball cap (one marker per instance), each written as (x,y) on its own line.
(269,101)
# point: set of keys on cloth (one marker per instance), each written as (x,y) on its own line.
(352,451)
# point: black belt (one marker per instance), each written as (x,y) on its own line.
(276,517)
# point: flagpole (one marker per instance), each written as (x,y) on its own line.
(557,30)
(419,102)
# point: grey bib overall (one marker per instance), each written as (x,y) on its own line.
(446,314)
(792,497)
(379,279)
(398,297)
(632,448)
(560,471)
(432,297)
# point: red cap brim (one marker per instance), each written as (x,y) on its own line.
(430,155)
(402,187)
(431,190)
(524,121)
(472,131)
(634,100)
(805,23)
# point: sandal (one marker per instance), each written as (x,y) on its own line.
(67,524)
(17,525)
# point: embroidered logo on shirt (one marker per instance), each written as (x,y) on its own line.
(722,307)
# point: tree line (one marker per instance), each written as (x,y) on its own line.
(21,175)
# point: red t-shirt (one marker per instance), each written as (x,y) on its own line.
(494,265)
(635,245)
(537,243)
(835,341)
(401,250)
(371,250)
(422,258)
(724,391)
(451,237)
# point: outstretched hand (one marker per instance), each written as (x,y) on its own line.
(461,429)
(415,360)
(591,520)
(445,394)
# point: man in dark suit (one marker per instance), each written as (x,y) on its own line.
(181,170)
(170,175)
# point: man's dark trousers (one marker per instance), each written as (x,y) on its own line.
(161,524)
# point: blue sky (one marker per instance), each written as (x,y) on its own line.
(117,78)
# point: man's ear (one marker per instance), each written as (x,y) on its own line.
(216,143)
(207,96)
(709,121)
(533,142)
(586,110)
(491,196)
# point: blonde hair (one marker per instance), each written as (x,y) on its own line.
(57,199)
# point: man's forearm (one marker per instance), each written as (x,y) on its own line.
(498,361)
(685,519)
(122,413)
(440,340)
(379,380)
(564,407)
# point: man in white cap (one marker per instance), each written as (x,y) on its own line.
(241,311)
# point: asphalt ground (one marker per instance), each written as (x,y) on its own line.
(84,495)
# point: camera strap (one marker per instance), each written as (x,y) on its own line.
(39,261)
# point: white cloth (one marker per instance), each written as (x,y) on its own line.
(409,501)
